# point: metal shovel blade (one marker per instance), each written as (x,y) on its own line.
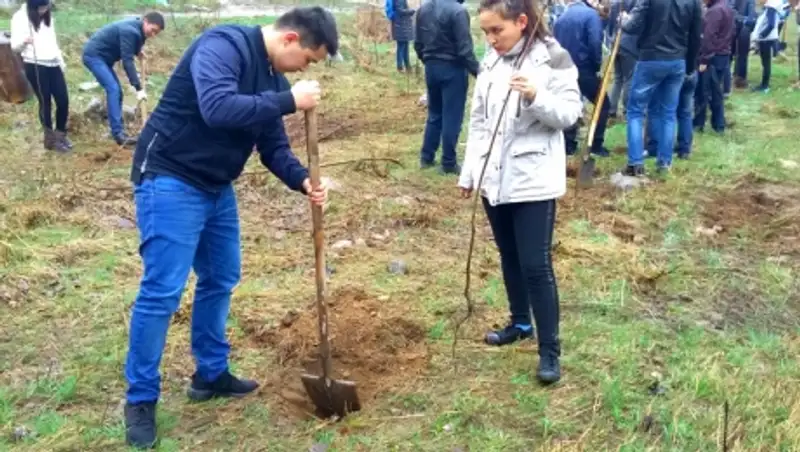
(586,173)
(338,397)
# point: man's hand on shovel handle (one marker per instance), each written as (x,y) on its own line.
(318,196)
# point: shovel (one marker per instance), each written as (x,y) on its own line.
(143,103)
(330,396)
(586,170)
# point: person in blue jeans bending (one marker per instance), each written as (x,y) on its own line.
(227,95)
(669,40)
(121,40)
(684,116)
(443,42)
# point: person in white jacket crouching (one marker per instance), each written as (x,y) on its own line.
(526,169)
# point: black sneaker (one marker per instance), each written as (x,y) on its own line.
(508,335)
(225,386)
(423,164)
(634,170)
(549,370)
(455,169)
(140,425)
(124,140)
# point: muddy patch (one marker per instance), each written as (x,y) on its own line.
(766,210)
(381,351)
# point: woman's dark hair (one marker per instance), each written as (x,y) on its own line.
(33,14)
(512,9)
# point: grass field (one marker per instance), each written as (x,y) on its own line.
(676,297)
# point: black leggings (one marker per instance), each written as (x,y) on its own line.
(765,52)
(49,85)
(524,235)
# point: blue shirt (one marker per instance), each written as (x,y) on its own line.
(580,31)
(223,98)
(120,40)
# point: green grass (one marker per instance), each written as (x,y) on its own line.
(648,300)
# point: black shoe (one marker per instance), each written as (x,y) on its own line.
(634,170)
(140,425)
(226,385)
(425,164)
(549,370)
(600,152)
(683,155)
(455,169)
(507,335)
(124,140)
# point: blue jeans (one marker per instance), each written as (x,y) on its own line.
(656,84)
(108,80)
(684,115)
(403,55)
(182,227)
(709,93)
(447,96)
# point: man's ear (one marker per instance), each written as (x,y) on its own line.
(290,37)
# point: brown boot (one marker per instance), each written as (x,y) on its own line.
(49,139)
(739,82)
(60,142)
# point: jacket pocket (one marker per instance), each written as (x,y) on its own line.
(526,165)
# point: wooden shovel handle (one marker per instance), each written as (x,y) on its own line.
(319,243)
(598,103)
(143,103)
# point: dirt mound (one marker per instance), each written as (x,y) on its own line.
(380,351)
(767,209)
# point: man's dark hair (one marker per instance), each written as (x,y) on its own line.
(155,18)
(315,25)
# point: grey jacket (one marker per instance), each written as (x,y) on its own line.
(528,159)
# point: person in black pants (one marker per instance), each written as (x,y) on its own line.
(33,36)
(580,31)
(444,45)
(715,60)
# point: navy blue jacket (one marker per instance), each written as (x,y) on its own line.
(580,31)
(222,99)
(121,40)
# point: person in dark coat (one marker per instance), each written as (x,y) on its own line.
(715,61)
(120,41)
(625,60)
(226,96)
(403,33)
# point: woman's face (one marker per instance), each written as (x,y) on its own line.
(502,34)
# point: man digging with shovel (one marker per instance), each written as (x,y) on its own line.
(226,95)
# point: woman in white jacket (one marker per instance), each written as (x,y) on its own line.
(526,171)
(33,36)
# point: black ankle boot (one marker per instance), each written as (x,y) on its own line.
(549,370)
(226,385)
(140,425)
(508,335)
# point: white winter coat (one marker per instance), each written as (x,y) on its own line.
(528,159)
(44,50)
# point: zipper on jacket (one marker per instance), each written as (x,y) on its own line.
(147,153)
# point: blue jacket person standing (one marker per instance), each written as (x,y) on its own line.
(119,41)
(580,31)
(226,95)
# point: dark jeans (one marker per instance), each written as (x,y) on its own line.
(623,72)
(181,228)
(765,52)
(684,116)
(447,96)
(740,52)
(655,87)
(108,80)
(709,93)
(523,233)
(49,85)
(403,55)
(589,84)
